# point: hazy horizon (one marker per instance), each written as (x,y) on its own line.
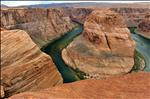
(23,3)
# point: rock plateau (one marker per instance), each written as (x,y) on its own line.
(23,66)
(105,47)
(130,86)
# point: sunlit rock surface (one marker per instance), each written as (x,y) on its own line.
(50,23)
(23,66)
(105,47)
(43,25)
(130,86)
(2,92)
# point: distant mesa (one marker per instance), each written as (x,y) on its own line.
(144,28)
(3,6)
(87,4)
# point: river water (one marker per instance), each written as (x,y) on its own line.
(55,48)
(143,47)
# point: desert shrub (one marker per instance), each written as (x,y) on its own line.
(139,62)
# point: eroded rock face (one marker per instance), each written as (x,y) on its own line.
(130,86)
(2,92)
(105,47)
(144,28)
(78,14)
(133,15)
(23,66)
(43,25)
(49,24)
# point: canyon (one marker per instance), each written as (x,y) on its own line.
(105,47)
(44,50)
(133,16)
(47,24)
(143,28)
(60,20)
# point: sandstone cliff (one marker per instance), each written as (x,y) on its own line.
(43,25)
(23,66)
(133,16)
(105,47)
(49,24)
(131,86)
(78,14)
(144,28)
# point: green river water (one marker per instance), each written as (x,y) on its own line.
(143,47)
(55,48)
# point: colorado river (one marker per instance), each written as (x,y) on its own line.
(143,47)
(55,48)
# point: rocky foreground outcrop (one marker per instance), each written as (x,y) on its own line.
(105,47)
(43,25)
(144,28)
(23,66)
(131,86)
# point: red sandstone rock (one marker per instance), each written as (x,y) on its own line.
(43,25)
(130,86)
(104,49)
(144,28)
(23,66)
(2,92)
(133,15)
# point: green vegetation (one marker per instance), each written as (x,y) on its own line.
(139,62)
(132,29)
(142,46)
(79,73)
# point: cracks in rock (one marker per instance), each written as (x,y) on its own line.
(47,13)
(107,41)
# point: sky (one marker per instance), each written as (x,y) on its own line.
(20,3)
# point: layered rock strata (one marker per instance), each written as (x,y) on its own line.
(43,25)
(23,66)
(49,24)
(105,47)
(2,92)
(78,14)
(144,28)
(131,86)
(132,15)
